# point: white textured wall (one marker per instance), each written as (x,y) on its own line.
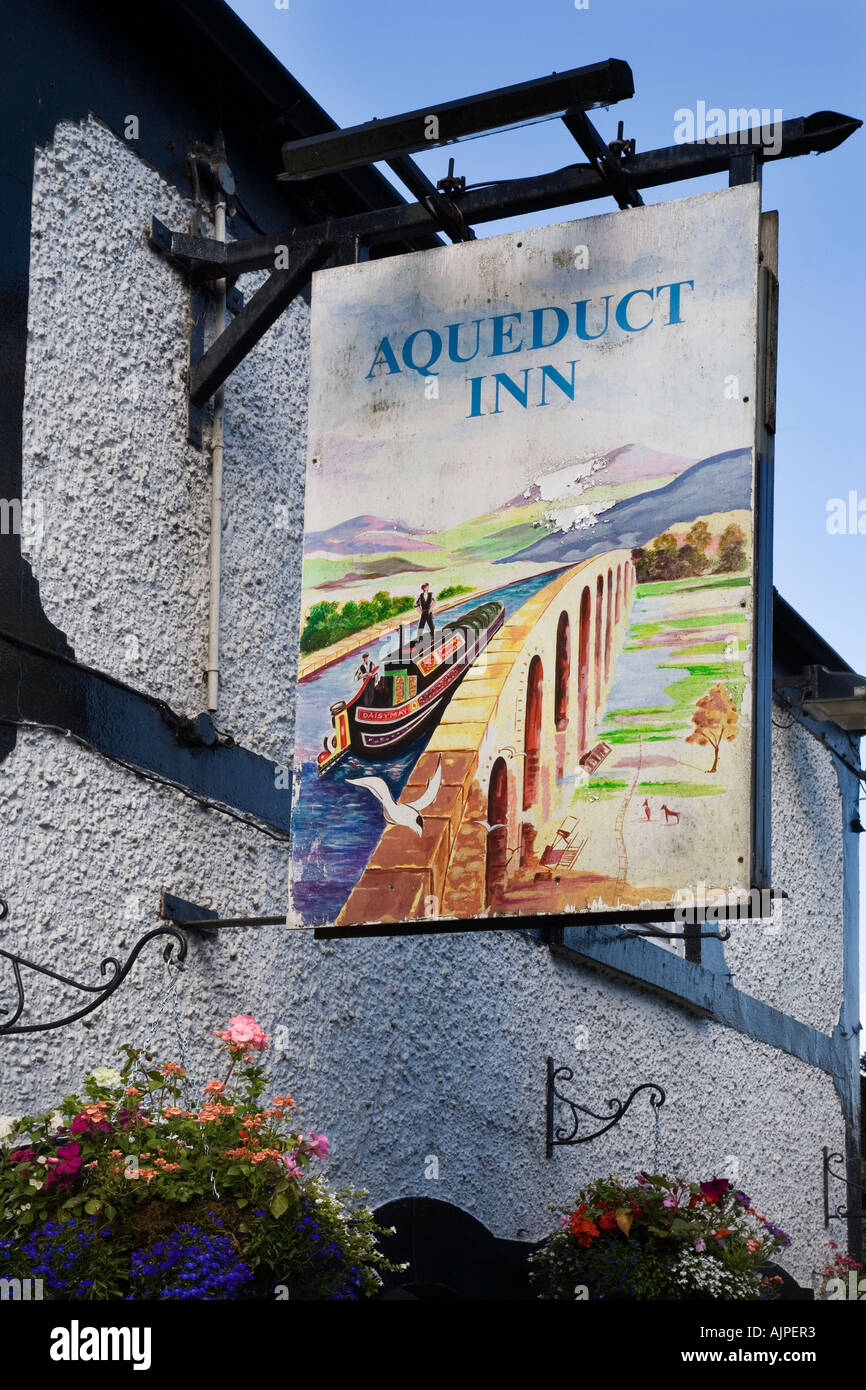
(794,959)
(399,1049)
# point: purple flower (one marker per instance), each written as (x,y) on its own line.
(779,1234)
(700,1245)
(743,1200)
(671,1200)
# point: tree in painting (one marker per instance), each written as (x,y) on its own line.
(715,721)
(732,550)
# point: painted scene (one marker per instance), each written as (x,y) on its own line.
(524,681)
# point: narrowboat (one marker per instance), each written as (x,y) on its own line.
(404,696)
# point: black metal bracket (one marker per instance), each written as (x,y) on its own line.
(603,159)
(557,1135)
(200,297)
(841,1213)
(613,170)
(196,918)
(118,974)
(445,123)
(689,935)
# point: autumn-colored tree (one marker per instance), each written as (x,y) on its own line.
(732,550)
(715,721)
(698,535)
(668,541)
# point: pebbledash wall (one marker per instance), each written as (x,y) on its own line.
(401,1050)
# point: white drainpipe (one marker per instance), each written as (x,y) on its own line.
(216,495)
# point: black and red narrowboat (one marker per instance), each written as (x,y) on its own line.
(404,696)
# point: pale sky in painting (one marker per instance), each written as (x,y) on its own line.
(383,447)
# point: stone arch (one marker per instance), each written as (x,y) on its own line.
(532,732)
(608,631)
(618,607)
(584,627)
(562,672)
(496,862)
(599,628)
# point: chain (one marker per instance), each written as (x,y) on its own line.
(657,1124)
(160,1010)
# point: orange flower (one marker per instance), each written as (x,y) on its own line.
(172,1069)
(145,1173)
(168,1167)
(725,1231)
(132,1091)
(283,1103)
(116,1153)
(582,1228)
(173,1112)
(264,1154)
(215,1088)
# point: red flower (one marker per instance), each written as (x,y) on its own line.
(583,1230)
(21,1156)
(714,1191)
(607,1222)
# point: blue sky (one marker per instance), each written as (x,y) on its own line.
(385,56)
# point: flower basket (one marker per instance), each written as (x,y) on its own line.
(660,1238)
(136,1190)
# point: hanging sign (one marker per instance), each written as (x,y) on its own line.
(527,655)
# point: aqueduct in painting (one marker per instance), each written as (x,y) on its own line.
(510,744)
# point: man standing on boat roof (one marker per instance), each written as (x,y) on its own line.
(424,602)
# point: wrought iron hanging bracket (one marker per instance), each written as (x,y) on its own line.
(841,1213)
(110,966)
(562,1134)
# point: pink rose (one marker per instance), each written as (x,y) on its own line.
(243,1032)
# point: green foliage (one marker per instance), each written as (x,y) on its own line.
(328,623)
(452,591)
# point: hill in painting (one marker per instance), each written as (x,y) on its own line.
(721,483)
(366,535)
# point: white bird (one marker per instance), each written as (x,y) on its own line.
(405,813)
(500,825)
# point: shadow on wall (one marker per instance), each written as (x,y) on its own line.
(450,1255)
